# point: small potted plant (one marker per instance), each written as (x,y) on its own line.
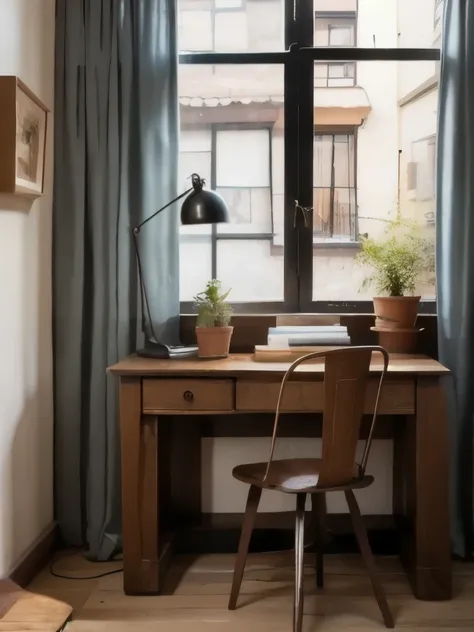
(400,260)
(213,330)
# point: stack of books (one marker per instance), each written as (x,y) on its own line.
(290,343)
(335,335)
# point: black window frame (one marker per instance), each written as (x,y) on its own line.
(298,61)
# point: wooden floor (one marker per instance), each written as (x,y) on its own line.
(196,596)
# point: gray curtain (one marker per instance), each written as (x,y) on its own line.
(116,139)
(455,253)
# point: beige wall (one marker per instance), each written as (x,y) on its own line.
(26,404)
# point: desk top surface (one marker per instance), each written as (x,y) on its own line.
(244,364)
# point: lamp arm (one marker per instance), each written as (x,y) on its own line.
(197,185)
(136,230)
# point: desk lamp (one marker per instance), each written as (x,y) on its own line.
(199,207)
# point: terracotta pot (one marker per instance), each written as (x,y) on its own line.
(397,340)
(213,342)
(396,312)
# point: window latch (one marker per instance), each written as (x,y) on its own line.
(304,210)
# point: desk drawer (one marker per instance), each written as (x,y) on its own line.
(397,397)
(192,394)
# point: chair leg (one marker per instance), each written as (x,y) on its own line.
(368,558)
(253,500)
(318,502)
(299,563)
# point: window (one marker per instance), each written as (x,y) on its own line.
(334,192)
(421,170)
(315,122)
(333,30)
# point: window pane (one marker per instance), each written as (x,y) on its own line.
(375,157)
(251,268)
(341,34)
(195,265)
(195,30)
(321,211)
(194,157)
(341,75)
(322,161)
(231,32)
(250,210)
(229,4)
(243,158)
(231,25)
(232,134)
(378,23)
(344,160)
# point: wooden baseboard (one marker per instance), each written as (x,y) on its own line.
(36,557)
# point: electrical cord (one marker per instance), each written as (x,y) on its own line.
(98,576)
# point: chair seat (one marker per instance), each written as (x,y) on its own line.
(293,476)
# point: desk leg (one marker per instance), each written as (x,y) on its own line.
(420,493)
(139,492)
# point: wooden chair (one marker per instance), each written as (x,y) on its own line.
(345,382)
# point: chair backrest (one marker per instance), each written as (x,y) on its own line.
(346,374)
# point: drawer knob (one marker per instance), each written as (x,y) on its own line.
(188,396)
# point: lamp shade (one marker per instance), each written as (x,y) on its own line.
(204,207)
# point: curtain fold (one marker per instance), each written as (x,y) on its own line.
(455,254)
(116,159)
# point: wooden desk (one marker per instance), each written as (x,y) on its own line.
(161,470)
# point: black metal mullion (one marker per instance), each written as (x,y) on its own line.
(239,59)
(213,188)
(321,53)
(305,140)
(316,307)
(352,53)
(290,231)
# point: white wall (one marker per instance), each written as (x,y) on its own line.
(26,404)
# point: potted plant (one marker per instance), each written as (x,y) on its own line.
(213,330)
(400,259)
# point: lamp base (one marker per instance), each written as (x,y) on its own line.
(160,351)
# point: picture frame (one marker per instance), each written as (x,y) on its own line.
(23,135)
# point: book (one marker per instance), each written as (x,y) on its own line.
(297,339)
(264,353)
(307,329)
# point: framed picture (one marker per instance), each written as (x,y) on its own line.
(23,127)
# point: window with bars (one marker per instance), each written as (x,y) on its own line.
(334,191)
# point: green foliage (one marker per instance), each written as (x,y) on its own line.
(211,306)
(400,259)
